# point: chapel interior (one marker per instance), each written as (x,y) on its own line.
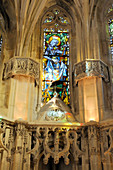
(56,84)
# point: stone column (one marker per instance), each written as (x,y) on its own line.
(94,146)
(88,81)
(84,147)
(20,146)
(18,157)
(5,163)
(26,163)
(24,76)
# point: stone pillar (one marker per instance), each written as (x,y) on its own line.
(26,163)
(18,157)
(20,147)
(5,163)
(24,77)
(94,146)
(84,147)
(88,81)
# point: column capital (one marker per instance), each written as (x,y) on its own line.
(91,68)
(21,66)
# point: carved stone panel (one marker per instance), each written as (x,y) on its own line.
(89,68)
(21,66)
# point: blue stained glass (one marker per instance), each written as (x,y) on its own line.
(0,44)
(110,9)
(110,23)
(56,65)
(49,19)
(55,68)
(56,43)
(63,20)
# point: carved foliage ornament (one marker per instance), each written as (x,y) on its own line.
(89,68)
(21,66)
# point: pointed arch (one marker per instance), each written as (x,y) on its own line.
(56,32)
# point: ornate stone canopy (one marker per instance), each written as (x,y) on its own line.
(56,111)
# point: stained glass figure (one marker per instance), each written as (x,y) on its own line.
(56,43)
(56,65)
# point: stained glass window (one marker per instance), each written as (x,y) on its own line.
(110,9)
(56,60)
(110,23)
(48,19)
(110,33)
(56,11)
(0,43)
(63,20)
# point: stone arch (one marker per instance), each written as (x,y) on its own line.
(102,21)
(103,16)
(73,17)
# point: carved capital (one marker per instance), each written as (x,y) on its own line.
(91,68)
(21,66)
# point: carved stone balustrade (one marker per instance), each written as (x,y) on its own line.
(24,144)
(89,68)
(56,141)
(21,66)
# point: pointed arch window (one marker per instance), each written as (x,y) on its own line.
(110,24)
(56,28)
(110,28)
(110,33)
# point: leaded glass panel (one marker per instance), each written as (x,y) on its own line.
(110,9)
(56,56)
(0,44)
(110,23)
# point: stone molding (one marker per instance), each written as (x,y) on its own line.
(21,66)
(91,68)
